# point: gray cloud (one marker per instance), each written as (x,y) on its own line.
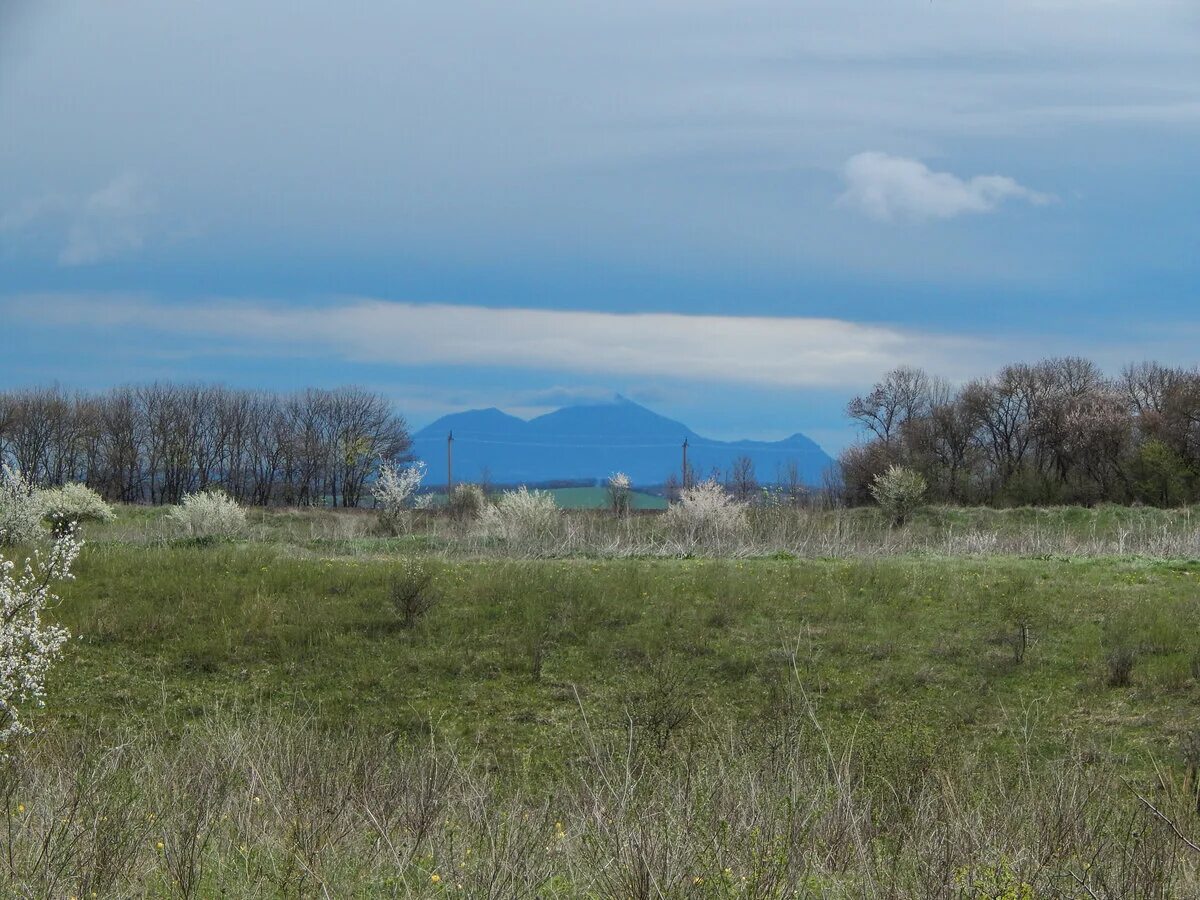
(625,130)
(110,222)
(894,187)
(106,223)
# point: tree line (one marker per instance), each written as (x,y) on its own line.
(1058,431)
(154,443)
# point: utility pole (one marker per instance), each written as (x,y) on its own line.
(449,465)
(684,479)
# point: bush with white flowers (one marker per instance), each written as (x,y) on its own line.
(395,493)
(898,491)
(707,515)
(20,511)
(208,515)
(28,646)
(523,517)
(73,503)
(620,494)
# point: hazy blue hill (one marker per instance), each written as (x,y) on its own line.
(619,422)
(592,441)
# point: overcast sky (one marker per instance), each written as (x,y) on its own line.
(739,213)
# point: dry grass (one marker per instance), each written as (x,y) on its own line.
(253,808)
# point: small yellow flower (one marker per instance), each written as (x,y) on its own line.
(698,880)
(435,878)
(159,845)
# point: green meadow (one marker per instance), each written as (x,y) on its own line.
(318,709)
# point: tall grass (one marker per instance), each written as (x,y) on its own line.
(254,807)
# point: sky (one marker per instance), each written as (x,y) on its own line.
(739,213)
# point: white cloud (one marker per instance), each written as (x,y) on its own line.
(894,187)
(766,351)
(109,223)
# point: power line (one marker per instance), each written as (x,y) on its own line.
(712,445)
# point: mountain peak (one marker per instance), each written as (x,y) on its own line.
(590,440)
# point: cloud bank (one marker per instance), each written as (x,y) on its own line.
(888,188)
(791,352)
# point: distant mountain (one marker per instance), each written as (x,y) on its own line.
(593,440)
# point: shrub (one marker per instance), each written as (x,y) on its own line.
(620,494)
(898,491)
(208,514)
(467,503)
(411,595)
(20,512)
(523,516)
(706,514)
(28,647)
(73,503)
(395,491)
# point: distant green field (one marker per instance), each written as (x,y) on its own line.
(597,498)
(589,498)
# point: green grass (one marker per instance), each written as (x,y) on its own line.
(256,718)
(905,652)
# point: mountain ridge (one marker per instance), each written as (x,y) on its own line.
(592,440)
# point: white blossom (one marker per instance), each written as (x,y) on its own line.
(620,493)
(395,492)
(28,646)
(208,514)
(73,503)
(706,514)
(522,516)
(898,491)
(20,511)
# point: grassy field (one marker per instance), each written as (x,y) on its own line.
(997,713)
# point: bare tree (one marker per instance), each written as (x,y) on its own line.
(903,394)
(742,482)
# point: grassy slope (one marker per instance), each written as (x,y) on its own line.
(903,652)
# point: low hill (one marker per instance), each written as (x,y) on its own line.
(591,441)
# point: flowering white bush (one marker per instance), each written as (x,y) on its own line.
(620,494)
(706,514)
(28,647)
(467,503)
(73,503)
(395,492)
(208,514)
(898,491)
(522,516)
(20,511)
